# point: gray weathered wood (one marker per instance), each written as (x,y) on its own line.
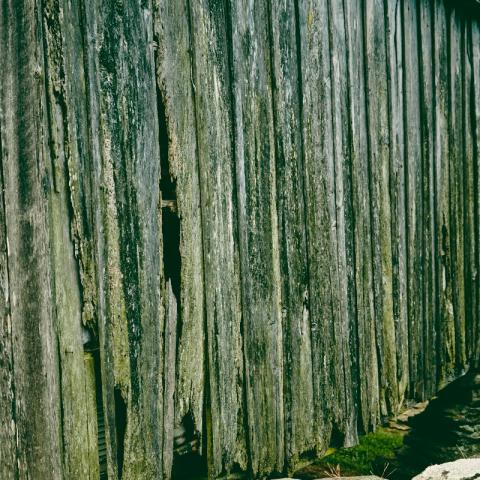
(258,234)
(430,245)
(248,226)
(320,221)
(415,201)
(378,92)
(367,349)
(211,86)
(26,184)
(445,327)
(287,94)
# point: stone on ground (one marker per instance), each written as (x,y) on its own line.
(361,477)
(465,469)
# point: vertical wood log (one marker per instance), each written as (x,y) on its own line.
(445,326)
(367,350)
(36,407)
(414,187)
(456,180)
(475,104)
(470,239)
(258,234)
(175,83)
(213,106)
(8,427)
(68,152)
(328,379)
(379,147)
(347,327)
(92,22)
(398,167)
(129,201)
(294,258)
(430,245)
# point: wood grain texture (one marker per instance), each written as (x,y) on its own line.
(321,222)
(445,325)
(367,351)
(25,157)
(8,452)
(258,234)
(175,82)
(430,244)
(397,69)
(380,144)
(475,105)
(287,95)
(251,227)
(211,83)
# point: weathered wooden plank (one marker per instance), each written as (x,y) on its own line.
(430,246)
(66,146)
(171,312)
(8,449)
(328,380)
(80,445)
(36,406)
(469,197)
(92,22)
(396,70)
(445,326)
(211,86)
(132,321)
(258,234)
(475,59)
(346,328)
(174,77)
(294,260)
(367,351)
(414,225)
(380,172)
(456,181)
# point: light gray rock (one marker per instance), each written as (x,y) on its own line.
(362,477)
(465,469)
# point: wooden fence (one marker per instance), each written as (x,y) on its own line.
(233,232)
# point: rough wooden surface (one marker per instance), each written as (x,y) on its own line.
(243,230)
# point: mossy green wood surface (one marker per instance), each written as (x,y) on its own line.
(445,321)
(322,161)
(258,234)
(368,385)
(175,82)
(30,318)
(286,83)
(471,200)
(377,84)
(8,454)
(320,222)
(346,329)
(425,24)
(211,85)
(475,105)
(457,159)
(399,136)
(413,179)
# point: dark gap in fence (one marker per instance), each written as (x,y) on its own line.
(170,219)
(189,458)
(187,461)
(91,349)
(120,427)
